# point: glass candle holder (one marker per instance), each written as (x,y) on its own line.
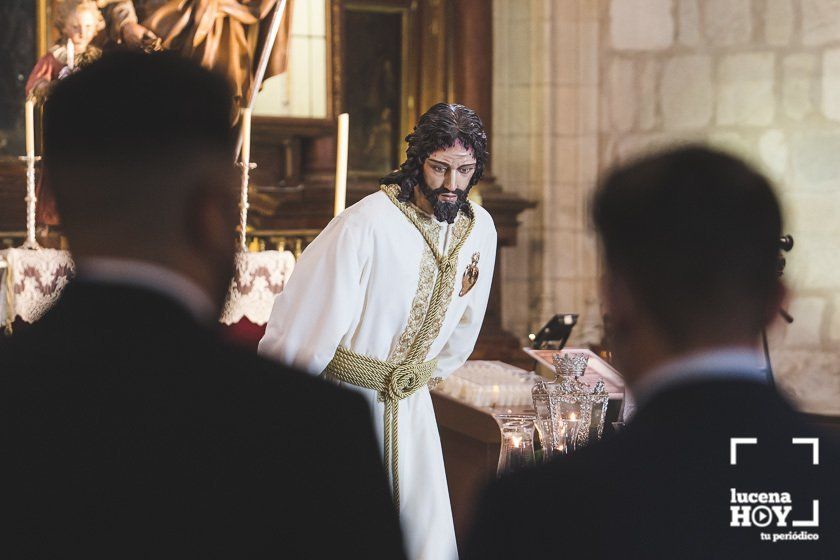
(569,412)
(517,450)
(558,435)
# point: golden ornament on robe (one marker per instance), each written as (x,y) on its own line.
(470,275)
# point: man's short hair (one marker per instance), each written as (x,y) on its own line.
(128,129)
(695,234)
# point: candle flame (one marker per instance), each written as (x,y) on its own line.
(573,417)
(516,441)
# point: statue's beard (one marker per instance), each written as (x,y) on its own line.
(444,211)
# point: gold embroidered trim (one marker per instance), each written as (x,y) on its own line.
(430,229)
(428,226)
(462,226)
(434,382)
(426,282)
(428,273)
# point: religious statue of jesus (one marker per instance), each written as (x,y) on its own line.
(390,298)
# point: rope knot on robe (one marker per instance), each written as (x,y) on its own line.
(406,379)
(393,382)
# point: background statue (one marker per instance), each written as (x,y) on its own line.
(123,18)
(225,35)
(77,22)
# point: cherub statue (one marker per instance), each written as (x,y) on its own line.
(78,22)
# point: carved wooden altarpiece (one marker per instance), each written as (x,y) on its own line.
(416,53)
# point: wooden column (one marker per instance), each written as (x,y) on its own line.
(471,34)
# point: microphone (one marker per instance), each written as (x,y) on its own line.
(786,243)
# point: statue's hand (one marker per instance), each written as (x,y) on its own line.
(136,36)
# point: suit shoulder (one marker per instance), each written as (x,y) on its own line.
(270,377)
(594,462)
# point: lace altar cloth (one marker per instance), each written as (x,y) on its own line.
(32,280)
(259,277)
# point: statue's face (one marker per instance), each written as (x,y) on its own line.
(80,28)
(446,180)
(449,171)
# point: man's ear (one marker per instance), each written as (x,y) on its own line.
(211,220)
(618,300)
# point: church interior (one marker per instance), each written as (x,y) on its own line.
(566,90)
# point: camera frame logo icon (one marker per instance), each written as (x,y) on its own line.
(761,509)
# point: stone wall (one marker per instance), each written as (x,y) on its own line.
(760,78)
(544,147)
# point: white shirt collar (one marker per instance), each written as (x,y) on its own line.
(154,277)
(738,363)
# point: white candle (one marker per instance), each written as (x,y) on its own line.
(246,136)
(341,163)
(30,128)
(71,54)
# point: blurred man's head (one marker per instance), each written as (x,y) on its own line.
(138,149)
(690,239)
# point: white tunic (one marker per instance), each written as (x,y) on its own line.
(364,283)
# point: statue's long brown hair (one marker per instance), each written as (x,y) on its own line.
(440,127)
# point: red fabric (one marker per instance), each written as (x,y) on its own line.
(47,68)
(46,213)
(244,333)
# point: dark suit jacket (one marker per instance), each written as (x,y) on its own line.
(130,430)
(661,488)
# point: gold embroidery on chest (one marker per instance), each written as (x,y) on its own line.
(428,271)
(430,229)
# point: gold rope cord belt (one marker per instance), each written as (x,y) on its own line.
(395,382)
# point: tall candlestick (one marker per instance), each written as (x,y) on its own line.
(341,163)
(71,54)
(30,128)
(246,166)
(246,135)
